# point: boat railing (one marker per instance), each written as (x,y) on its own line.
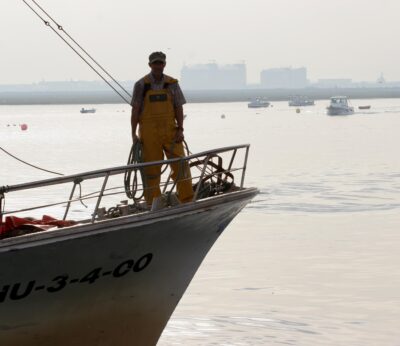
(208,175)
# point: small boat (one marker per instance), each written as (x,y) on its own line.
(339,106)
(300,101)
(114,274)
(258,103)
(364,107)
(88,110)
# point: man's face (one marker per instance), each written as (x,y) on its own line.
(157,67)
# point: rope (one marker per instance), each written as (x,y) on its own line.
(47,23)
(29,164)
(131,182)
(131,178)
(80,196)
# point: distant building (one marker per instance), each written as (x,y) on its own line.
(213,76)
(284,78)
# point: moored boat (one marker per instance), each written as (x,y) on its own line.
(88,110)
(339,106)
(258,103)
(300,101)
(116,275)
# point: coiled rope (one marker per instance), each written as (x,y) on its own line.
(131,183)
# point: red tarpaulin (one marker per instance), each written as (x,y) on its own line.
(14,225)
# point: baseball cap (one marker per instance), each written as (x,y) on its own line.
(157,56)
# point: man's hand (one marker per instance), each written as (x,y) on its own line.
(179,137)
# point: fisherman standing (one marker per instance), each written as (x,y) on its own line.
(157,107)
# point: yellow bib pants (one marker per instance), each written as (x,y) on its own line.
(157,129)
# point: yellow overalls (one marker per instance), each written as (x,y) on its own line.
(157,129)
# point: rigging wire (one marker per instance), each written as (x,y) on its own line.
(61,28)
(48,24)
(135,155)
(29,164)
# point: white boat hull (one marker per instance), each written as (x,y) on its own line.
(114,282)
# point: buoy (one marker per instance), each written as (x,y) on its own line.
(23,127)
(222,116)
(297,110)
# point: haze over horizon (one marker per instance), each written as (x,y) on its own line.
(340,39)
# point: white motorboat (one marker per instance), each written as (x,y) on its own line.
(258,103)
(300,101)
(88,110)
(339,106)
(114,276)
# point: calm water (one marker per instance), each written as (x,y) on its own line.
(314,260)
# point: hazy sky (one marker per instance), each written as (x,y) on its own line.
(356,39)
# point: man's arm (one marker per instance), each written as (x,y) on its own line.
(134,121)
(179,101)
(136,107)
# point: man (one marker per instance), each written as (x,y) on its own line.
(157,107)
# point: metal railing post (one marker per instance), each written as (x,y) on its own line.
(244,167)
(69,200)
(232,158)
(100,196)
(201,177)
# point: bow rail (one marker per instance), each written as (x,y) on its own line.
(208,176)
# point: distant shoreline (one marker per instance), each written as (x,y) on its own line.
(196,96)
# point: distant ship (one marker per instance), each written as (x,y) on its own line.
(88,110)
(258,103)
(339,106)
(300,101)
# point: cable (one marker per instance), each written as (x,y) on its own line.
(60,27)
(29,164)
(47,23)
